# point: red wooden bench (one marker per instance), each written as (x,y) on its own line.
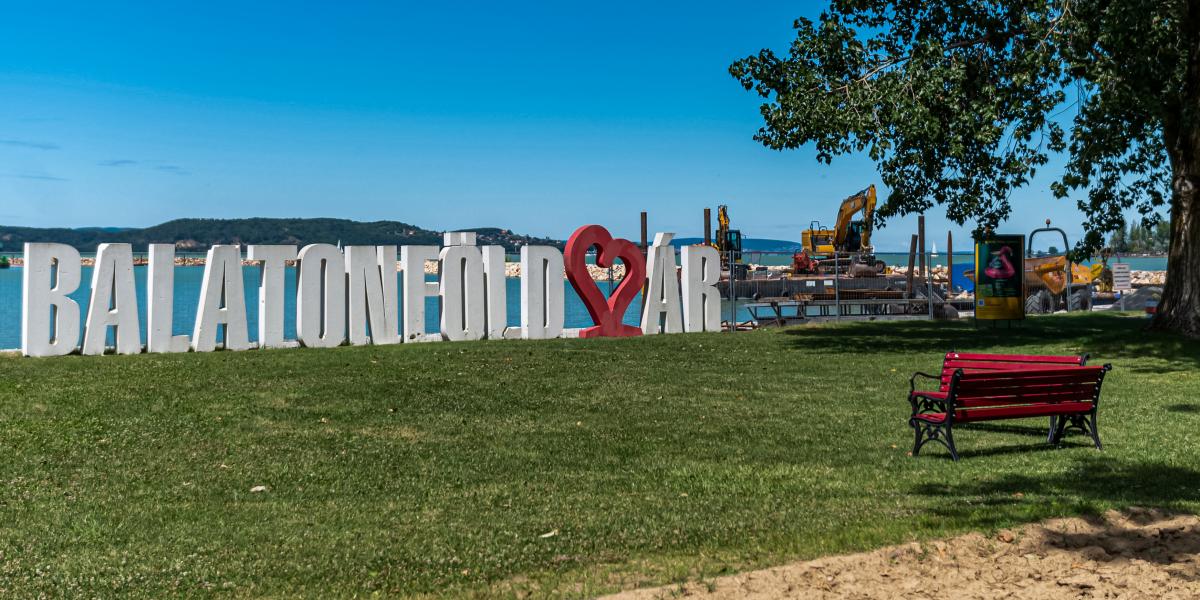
(978,387)
(971,362)
(995,362)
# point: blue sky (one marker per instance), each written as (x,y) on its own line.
(538,117)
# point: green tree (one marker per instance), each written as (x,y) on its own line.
(961,102)
(1162,236)
(1119,242)
(1137,236)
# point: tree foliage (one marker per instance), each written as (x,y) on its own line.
(961,102)
(1142,237)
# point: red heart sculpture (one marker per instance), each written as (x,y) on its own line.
(606,314)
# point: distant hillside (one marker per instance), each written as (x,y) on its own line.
(750,244)
(196,235)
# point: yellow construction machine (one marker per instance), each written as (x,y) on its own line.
(728,242)
(846,247)
(1046,276)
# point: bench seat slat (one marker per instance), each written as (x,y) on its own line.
(1017,358)
(1032,372)
(971,388)
(1009,412)
(1025,399)
(1016,412)
(969,374)
(951,365)
(1085,390)
(974,379)
(1000,388)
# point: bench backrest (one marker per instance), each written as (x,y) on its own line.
(983,389)
(971,363)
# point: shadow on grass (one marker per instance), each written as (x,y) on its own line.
(937,452)
(1092,483)
(1184,407)
(1040,431)
(1106,338)
(1162,545)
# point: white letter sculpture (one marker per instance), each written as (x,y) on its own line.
(460,271)
(701,299)
(113,302)
(50,326)
(271,293)
(497,292)
(222,301)
(542,294)
(416,289)
(373,312)
(160,292)
(321,296)
(662,313)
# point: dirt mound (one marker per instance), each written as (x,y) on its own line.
(1137,554)
(1137,299)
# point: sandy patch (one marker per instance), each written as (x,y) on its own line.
(1137,554)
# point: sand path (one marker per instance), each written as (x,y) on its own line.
(1136,554)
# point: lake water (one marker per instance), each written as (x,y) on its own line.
(187,295)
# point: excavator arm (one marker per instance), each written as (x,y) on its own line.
(728,241)
(723,217)
(863,201)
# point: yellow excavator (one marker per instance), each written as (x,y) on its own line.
(845,247)
(728,242)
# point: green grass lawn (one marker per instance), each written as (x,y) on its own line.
(550,467)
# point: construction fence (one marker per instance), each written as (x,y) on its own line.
(767,293)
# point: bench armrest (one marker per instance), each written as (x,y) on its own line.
(930,403)
(912,381)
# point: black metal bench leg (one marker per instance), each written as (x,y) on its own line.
(1060,428)
(1094,430)
(928,432)
(1053,426)
(1085,423)
(950,442)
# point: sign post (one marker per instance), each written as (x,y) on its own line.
(1000,278)
(1122,280)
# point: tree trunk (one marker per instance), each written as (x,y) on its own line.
(1179,309)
